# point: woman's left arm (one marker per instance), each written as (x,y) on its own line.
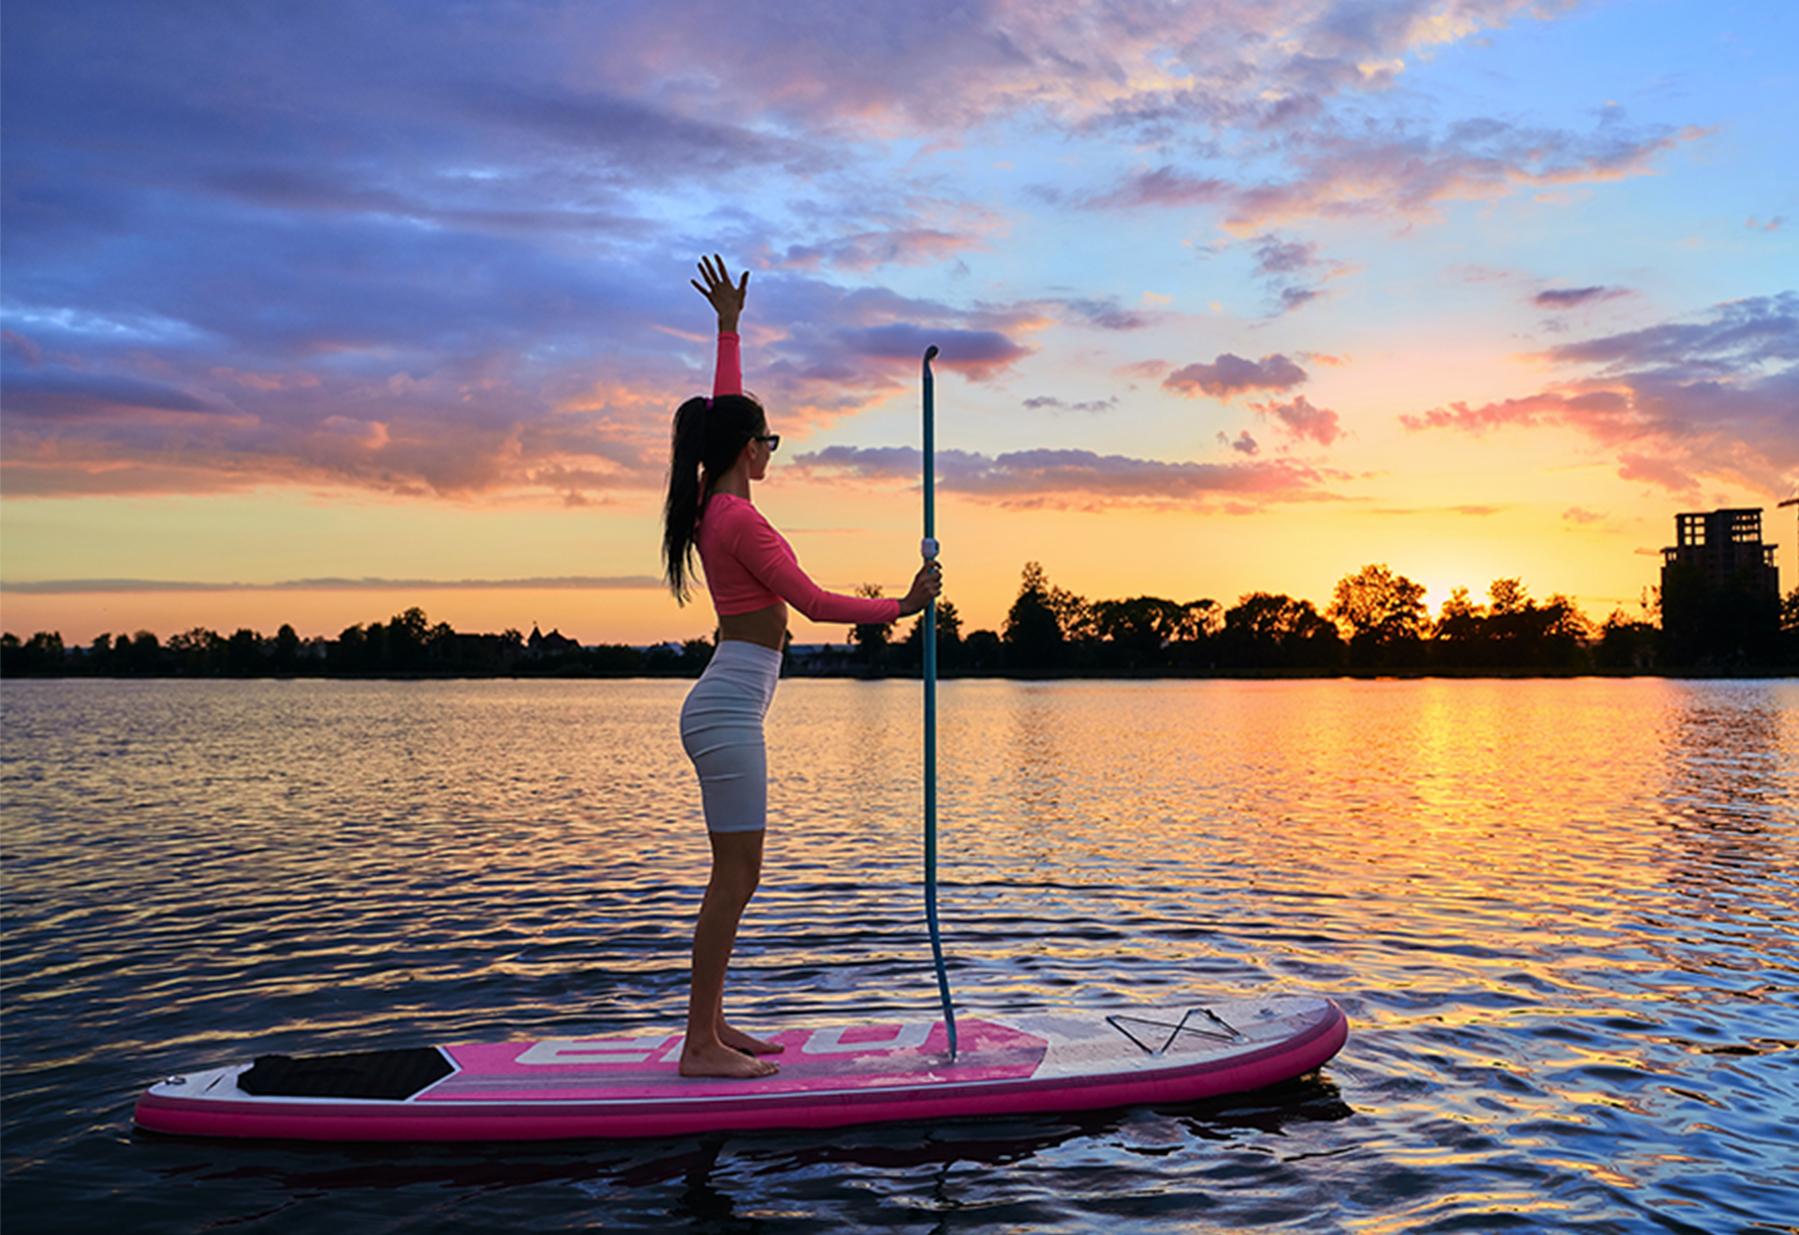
(727,299)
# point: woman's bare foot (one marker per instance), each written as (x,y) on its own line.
(725,1061)
(738,1040)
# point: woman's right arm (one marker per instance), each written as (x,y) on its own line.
(759,547)
(927,585)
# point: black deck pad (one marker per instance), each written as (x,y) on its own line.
(363,1074)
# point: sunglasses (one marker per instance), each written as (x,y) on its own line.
(771,440)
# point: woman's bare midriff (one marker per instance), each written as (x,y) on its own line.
(766,626)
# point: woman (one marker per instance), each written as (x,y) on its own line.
(721,445)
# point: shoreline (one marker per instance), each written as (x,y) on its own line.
(1017,675)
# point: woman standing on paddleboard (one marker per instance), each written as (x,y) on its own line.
(721,444)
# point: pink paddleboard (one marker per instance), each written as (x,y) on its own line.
(628,1085)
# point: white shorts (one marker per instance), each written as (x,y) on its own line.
(721,728)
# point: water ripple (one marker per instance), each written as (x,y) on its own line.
(1561,916)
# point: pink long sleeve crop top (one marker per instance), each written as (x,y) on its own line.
(748,564)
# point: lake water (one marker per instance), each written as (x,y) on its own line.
(1563,917)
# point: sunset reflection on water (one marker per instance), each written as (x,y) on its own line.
(1560,915)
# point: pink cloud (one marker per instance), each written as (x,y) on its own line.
(1664,472)
(1681,401)
(465,429)
(1590,409)
(1231,375)
(1300,420)
(1145,370)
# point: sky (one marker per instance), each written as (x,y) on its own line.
(315,312)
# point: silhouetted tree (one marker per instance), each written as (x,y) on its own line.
(41,655)
(1270,631)
(284,651)
(1559,633)
(1073,615)
(1194,645)
(1033,632)
(1204,619)
(1136,632)
(949,640)
(350,654)
(403,642)
(1508,596)
(983,651)
(1625,643)
(662,659)
(614,660)
(243,653)
(1385,612)
(139,656)
(198,652)
(871,638)
(1460,631)
(1789,628)
(1512,632)
(696,654)
(949,623)
(99,655)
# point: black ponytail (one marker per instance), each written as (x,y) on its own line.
(709,434)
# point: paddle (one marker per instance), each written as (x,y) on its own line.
(929,549)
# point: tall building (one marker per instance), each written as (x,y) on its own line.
(1723,544)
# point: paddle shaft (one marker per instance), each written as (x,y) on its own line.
(929,549)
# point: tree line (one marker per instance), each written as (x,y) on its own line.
(406,645)
(1376,621)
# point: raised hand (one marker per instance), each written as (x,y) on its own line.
(724,296)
